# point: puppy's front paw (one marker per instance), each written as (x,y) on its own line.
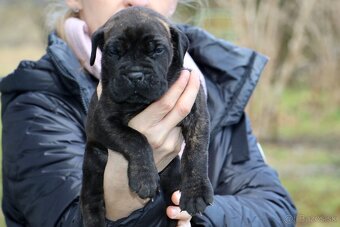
(144,181)
(196,195)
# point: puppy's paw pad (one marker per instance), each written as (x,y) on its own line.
(195,197)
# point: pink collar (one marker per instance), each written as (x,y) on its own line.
(78,38)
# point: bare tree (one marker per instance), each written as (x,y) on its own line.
(300,37)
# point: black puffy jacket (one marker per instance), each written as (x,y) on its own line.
(44,105)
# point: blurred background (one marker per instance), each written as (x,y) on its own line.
(295,109)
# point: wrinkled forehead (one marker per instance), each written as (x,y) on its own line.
(135,24)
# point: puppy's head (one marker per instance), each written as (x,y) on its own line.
(142,55)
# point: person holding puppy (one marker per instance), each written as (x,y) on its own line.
(44,108)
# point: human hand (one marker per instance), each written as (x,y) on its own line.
(174,212)
(158,123)
(159,120)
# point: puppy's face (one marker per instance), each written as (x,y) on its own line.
(142,55)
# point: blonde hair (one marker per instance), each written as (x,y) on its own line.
(57,12)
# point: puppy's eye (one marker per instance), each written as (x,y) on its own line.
(114,51)
(159,50)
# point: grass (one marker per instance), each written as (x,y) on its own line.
(307,114)
(9,61)
(307,155)
(311,175)
(22,34)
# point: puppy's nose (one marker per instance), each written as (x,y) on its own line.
(135,76)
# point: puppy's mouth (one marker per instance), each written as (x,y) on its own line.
(137,87)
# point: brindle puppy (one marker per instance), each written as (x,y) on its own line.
(142,57)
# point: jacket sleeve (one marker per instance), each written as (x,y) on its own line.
(43,146)
(248,193)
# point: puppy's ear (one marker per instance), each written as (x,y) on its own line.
(97,41)
(180,44)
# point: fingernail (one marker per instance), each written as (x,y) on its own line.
(187,69)
(185,75)
(175,212)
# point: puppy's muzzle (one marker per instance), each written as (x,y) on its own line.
(135,76)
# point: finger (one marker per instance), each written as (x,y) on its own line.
(176,197)
(185,223)
(174,212)
(171,143)
(165,140)
(183,217)
(184,103)
(169,149)
(165,104)
(159,109)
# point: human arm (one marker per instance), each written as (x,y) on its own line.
(43,146)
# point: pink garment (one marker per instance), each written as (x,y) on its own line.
(190,64)
(77,36)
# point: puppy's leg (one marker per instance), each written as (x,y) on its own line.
(196,189)
(142,171)
(92,193)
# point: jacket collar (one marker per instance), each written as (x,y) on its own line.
(231,74)
(57,72)
(73,75)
